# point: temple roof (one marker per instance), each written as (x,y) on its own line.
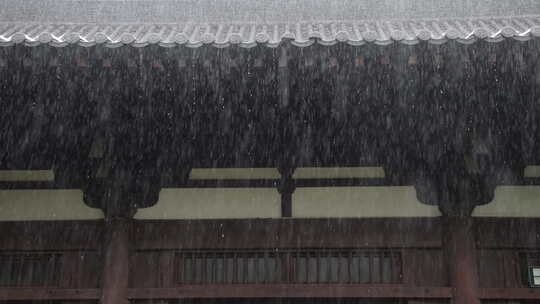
(247,23)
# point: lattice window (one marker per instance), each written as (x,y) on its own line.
(29,269)
(289,266)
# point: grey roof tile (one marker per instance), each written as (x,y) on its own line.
(247,23)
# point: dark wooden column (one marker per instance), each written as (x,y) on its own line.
(119,195)
(116,261)
(457,191)
(460,251)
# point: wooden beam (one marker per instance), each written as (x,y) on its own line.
(51,235)
(509,293)
(290,291)
(299,233)
(248,183)
(507,233)
(36,293)
(215,291)
(231,183)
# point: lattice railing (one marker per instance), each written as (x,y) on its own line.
(29,269)
(289,266)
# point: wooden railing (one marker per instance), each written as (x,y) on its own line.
(379,259)
(325,266)
(29,269)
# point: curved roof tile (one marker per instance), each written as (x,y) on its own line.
(248,23)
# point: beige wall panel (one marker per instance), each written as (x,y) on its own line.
(532,171)
(30,205)
(234,173)
(20,205)
(360,202)
(26,175)
(207,203)
(512,201)
(339,172)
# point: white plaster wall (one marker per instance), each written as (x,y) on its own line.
(217,203)
(29,205)
(512,201)
(360,202)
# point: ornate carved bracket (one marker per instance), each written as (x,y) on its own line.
(454,190)
(120,194)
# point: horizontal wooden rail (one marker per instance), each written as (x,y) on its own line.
(266,291)
(291,291)
(248,183)
(510,293)
(41,293)
(215,183)
(234,291)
